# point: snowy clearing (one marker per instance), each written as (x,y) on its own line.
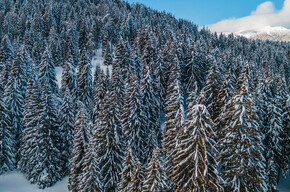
(16,182)
(96,60)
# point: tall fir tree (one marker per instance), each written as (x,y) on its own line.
(127,171)
(149,104)
(155,174)
(195,165)
(285,143)
(67,125)
(138,177)
(3,164)
(79,146)
(14,102)
(133,119)
(174,114)
(109,149)
(6,58)
(48,163)
(84,79)
(89,179)
(241,151)
(68,77)
(209,93)
(30,127)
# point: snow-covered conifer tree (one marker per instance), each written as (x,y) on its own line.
(138,178)
(195,165)
(79,147)
(241,147)
(155,178)
(127,171)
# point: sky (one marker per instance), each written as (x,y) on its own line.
(227,15)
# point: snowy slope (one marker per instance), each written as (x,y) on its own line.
(268,33)
(16,182)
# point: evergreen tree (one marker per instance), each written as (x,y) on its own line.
(286,140)
(174,114)
(149,104)
(47,75)
(209,93)
(273,145)
(67,125)
(30,127)
(48,163)
(108,59)
(109,151)
(137,180)
(127,172)
(14,102)
(6,58)
(155,180)
(223,97)
(190,101)
(241,156)
(3,164)
(84,77)
(78,150)
(89,179)
(195,166)
(68,78)
(100,94)
(133,119)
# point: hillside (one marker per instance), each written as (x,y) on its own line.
(120,97)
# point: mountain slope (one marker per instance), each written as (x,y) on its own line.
(268,33)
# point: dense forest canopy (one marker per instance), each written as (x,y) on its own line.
(183,109)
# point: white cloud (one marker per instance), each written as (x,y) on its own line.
(265,8)
(264,16)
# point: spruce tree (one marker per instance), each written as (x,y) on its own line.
(155,177)
(193,94)
(209,93)
(79,147)
(3,164)
(89,178)
(174,114)
(48,163)
(273,145)
(137,180)
(30,127)
(149,104)
(127,171)
(133,119)
(68,78)
(286,136)
(47,75)
(6,58)
(84,77)
(109,150)
(100,94)
(14,103)
(223,97)
(241,146)
(195,166)
(67,125)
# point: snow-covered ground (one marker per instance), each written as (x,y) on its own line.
(16,182)
(96,60)
(284,185)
